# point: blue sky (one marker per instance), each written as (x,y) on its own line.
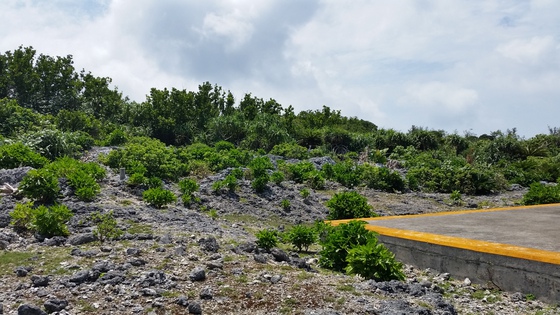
(476,66)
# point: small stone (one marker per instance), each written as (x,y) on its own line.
(55,305)
(38,281)
(149,292)
(195,308)
(22,271)
(55,241)
(198,274)
(280,255)
(137,262)
(425,283)
(133,252)
(517,297)
(467,282)
(30,310)
(180,250)
(445,276)
(41,293)
(259,258)
(166,239)
(212,265)
(275,279)
(206,293)
(209,244)
(144,236)
(82,239)
(106,249)
(182,300)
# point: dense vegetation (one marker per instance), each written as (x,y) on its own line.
(48,110)
(50,113)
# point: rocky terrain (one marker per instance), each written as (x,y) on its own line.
(204,260)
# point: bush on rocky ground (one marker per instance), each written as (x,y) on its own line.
(158,197)
(542,194)
(349,205)
(40,185)
(18,155)
(47,221)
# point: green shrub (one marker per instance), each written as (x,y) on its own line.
(155,159)
(456,197)
(52,143)
(231,182)
(237,173)
(136,179)
(116,137)
(72,121)
(542,194)
(223,146)
(349,205)
(217,186)
(316,180)
(304,193)
(290,150)
(339,240)
(285,204)
(15,118)
(105,226)
(40,185)
(346,173)
(188,186)
(259,183)
(17,155)
(267,238)
(301,171)
(260,165)
(374,261)
(81,176)
(154,182)
(382,178)
(87,193)
(81,139)
(158,197)
(277,177)
(85,187)
(22,216)
(51,221)
(301,237)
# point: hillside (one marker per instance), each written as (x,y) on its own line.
(176,259)
(216,194)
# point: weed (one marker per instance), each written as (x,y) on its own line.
(138,228)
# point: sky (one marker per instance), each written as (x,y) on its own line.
(454,65)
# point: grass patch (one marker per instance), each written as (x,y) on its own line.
(304,275)
(273,221)
(47,262)
(85,306)
(10,260)
(138,228)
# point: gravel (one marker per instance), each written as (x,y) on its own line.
(177,259)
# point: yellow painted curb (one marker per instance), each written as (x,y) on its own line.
(470,244)
(462,243)
(437,214)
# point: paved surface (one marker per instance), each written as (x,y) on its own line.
(535,227)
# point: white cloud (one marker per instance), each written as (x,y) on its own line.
(442,64)
(439,96)
(533,51)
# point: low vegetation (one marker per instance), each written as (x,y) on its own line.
(174,139)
